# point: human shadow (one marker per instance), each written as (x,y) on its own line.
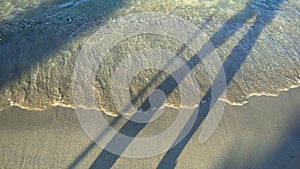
(232,64)
(145,106)
(81,156)
(30,37)
(264,15)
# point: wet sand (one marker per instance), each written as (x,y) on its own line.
(264,133)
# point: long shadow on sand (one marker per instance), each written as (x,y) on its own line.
(264,12)
(231,65)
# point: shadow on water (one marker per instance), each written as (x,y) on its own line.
(264,13)
(32,36)
(151,84)
(145,106)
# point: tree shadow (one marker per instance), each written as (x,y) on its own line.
(32,36)
(264,14)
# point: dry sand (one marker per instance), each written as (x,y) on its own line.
(264,133)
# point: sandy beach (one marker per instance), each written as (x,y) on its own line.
(264,133)
(59,55)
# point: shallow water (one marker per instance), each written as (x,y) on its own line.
(258,42)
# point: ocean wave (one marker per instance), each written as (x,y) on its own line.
(115,114)
(38,54)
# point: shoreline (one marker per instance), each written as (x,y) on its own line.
(114,114)
(262,134)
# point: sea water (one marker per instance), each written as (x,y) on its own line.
(257,42)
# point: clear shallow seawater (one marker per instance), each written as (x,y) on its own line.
(40,40)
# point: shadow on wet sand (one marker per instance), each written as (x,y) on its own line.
(264,14)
